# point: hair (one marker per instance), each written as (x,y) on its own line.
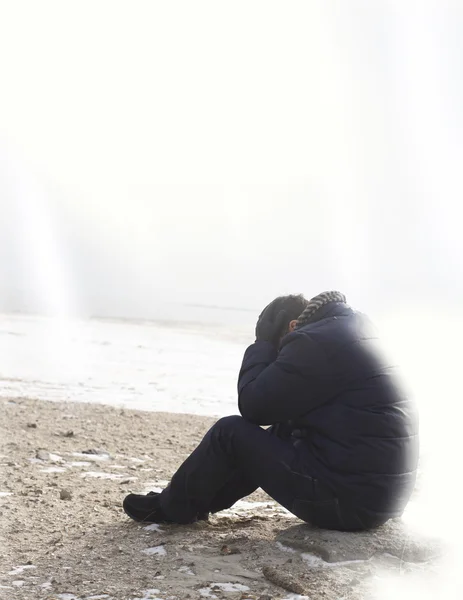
(316,303)
(294,305)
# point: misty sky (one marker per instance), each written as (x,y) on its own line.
(222,153)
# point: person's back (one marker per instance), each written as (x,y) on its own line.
(363,438)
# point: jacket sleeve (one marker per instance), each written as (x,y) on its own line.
(276,387)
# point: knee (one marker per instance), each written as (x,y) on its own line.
(229,423)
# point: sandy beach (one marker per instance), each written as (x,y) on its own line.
(65,468)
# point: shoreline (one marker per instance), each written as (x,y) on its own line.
(65,469)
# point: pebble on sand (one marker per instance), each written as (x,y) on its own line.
(42,454)
(65,494)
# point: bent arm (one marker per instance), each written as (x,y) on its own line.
(276,387)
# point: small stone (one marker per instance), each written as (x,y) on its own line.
(42,454)
(32,425)
(287,581)
(65,494)
(227,550)
(69,434)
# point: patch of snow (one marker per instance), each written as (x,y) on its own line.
(98,597)
(153,527)
(67,597)
(271,509)
(207,592)
(3,494)
(116,467)
(231,587)
(245,505)
(17,583)
(79,463)
(136,460)
(285,548)
(92,457)
(149,595)
(45,585)
(151,487)
(101,475)
(53,470)
(159,550)
(185,570)
(296,597)
(55,457)
(20,569)
(312,560)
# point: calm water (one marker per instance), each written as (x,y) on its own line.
(149,366)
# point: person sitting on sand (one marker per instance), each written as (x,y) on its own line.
(342,449)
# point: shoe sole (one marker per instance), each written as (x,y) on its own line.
(146,520)
(138,520)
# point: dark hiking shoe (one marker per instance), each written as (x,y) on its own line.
(146,509)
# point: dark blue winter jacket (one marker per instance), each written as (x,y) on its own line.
(331,379)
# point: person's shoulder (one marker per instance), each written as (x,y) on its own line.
(338,330)
(302,351)
(299,341)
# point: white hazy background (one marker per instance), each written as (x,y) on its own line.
(190,161)
(222,152)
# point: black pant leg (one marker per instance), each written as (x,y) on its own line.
(236,488)
(239,486)
(234,446)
